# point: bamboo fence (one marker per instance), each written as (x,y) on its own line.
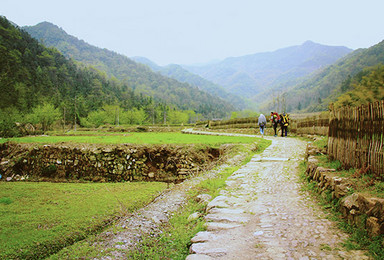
(249,122)
(315,125)
(356,137)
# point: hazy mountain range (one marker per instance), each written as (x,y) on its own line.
(252,74)
(257,78)
(305,77)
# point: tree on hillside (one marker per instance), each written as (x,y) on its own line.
(45,115)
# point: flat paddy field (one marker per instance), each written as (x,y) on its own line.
(132,138)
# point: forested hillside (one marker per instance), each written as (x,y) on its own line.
(39,83)
(180,74)
(317,92)
(137,76)
(253,74)
(41,86)
(365,87)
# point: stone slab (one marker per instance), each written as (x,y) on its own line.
(214,226)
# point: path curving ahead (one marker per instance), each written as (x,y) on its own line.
(263,215)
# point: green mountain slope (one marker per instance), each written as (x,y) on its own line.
(253,74)
(32,74)
(317,92)
(141,78)
(365,87)
(180,74)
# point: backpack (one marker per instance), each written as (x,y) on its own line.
(275,118)
(285,120)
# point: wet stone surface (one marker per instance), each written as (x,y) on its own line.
(262,214)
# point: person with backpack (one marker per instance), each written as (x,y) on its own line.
(262,121)
(275,118)
(284,122)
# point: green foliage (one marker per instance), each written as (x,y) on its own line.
(38,219)
(108,114)
(365,87)
(8,119)
(179,117)
(133,116)
(45,115)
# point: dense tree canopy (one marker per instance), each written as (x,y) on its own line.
(365,87)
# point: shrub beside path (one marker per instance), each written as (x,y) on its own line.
(262,214)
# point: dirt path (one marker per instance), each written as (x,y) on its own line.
(263,215)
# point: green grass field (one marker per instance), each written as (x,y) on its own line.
(38,219)
(135,138)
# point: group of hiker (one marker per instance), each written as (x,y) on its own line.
(276,120)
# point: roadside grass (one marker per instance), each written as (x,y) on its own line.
(39,219)
(175,239)
(358,236)
(135,138)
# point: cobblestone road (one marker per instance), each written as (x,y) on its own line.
(263,215)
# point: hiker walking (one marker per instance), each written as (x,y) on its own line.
(284,122)
(262,124)
(275,118)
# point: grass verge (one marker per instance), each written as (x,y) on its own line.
(38,219)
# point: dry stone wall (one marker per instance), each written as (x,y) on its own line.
(358,209)
(168,163)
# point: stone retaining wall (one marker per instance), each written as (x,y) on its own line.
(358,209)
(168,163)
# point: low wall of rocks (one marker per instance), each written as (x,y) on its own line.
(101,163)
(358,209)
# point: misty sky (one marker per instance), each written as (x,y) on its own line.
(194,31)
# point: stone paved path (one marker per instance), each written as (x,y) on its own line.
(263,215)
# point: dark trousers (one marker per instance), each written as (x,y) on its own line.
(275,128)
(284,129)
